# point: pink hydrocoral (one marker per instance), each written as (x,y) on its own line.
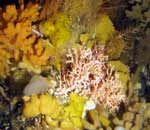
(88,75)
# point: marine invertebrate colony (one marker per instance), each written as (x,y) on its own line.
(104,29)
(73,54)
(17,40)
(57,29)
(88,75)
(67,116)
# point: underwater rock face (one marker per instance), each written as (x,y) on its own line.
(60,40)
(36,85)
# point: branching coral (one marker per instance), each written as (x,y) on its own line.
(16,38)
(89,75)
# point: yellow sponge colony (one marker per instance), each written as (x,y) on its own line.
(57,29)
(44,104)
(69,116)
(31,108)
(73,111)
(104,29)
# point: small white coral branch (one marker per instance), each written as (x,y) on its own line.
(88,75)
